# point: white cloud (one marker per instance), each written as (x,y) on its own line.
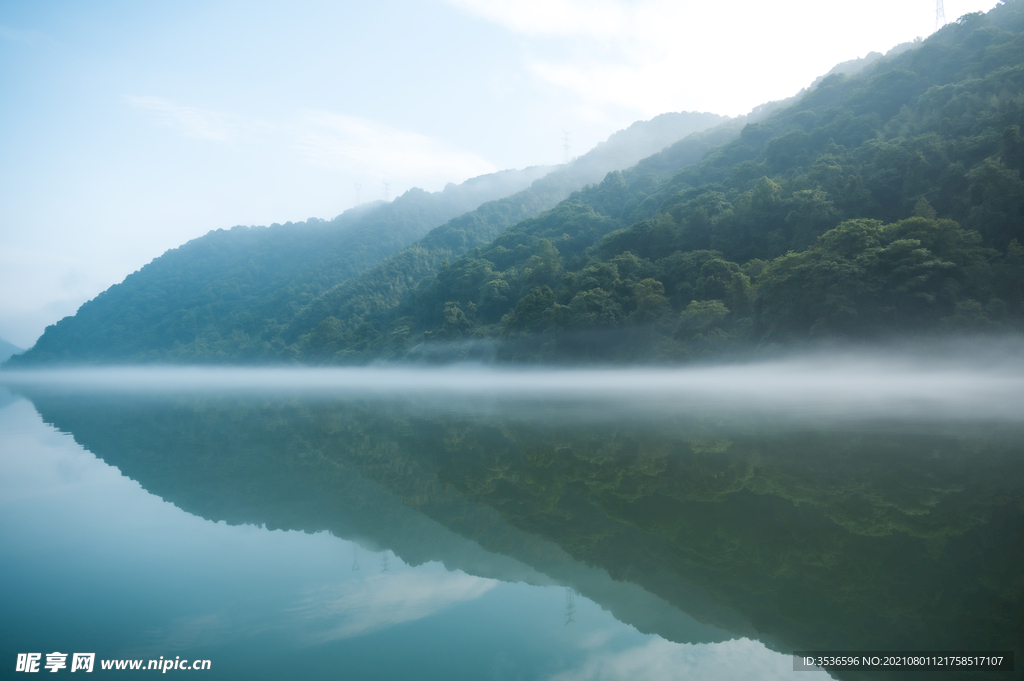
(364,147)
(362,606)
(738,660)
(328,141)
(653,56)
(598,18)
(196,123)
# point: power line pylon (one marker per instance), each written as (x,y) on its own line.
(940,15)
(387,189)
(358,187)
(566,146)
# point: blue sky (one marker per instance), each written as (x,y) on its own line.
(130,128)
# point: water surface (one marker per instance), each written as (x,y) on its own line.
(471,524)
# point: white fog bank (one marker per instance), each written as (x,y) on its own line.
(840,386)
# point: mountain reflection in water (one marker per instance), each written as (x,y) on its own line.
(820,524)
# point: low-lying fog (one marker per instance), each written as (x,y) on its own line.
(970,386)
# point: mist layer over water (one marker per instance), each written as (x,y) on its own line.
(849,386)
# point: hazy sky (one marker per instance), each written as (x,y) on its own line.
(129,128)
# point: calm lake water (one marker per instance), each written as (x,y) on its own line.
(472,524)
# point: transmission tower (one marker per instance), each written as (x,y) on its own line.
(565,145)
(355,558)
(358,187)
(387,189)
(940,15)
(570,605)
(385,563)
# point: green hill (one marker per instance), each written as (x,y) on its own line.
(233,296)
(874,205)
(226,291)
(362,318)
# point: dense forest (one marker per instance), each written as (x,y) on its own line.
(884,203)
(875,205)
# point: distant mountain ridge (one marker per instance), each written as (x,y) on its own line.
(8,349)
(222,281)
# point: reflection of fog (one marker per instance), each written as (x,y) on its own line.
(825,386)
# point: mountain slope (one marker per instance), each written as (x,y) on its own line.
(228,287)
(370,304)
(884,203)
(232,296)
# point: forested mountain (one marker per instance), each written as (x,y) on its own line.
(229,283)
(234,295)
(370,304)
(884,203)
(854,66)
